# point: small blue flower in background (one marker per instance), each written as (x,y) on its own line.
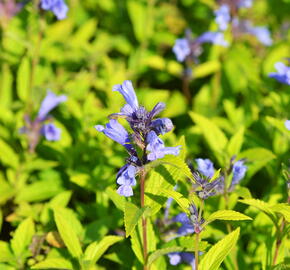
(181,49)
(223,17)
(245,3)
(205,166)
(216,38)
(37,127)
(186,227)
(263,34)
(58,7)
(176,258)
(49,103)
(51,132)
(145,136)
(283,73)
(287,124)
(239,171)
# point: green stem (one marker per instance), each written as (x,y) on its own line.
(196,250)
(144,221)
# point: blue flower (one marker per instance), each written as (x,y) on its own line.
(50,102)
(157,149)
(205,166)
(51,132)
(58,7)
(239,171)
(263,34)
(181,49)
(115,131)
(186,227)
(287,124)
(223,17)
(162,125)
(176,258)
(216,38)
(245,3)
(126,179)
(283,73)
(127,90)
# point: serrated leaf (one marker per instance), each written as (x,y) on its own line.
(236,142)
(178,197)
(216,139)
(132,214)
(22,237)
(54,263)
(243,192)
(263,206)
(67,232)
(227,215)
(23,77)
(183,150)
(95,250)
(160,252)
(217,253)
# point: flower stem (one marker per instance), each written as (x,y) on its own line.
(196,250)
(144,221)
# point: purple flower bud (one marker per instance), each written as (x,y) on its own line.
(50,102)
(126,178)
(128,92)
(239,171)
(157,149)
(162,125)
(223,17)
(58,7)
(283,73)
(115,131)
(51,132)
(287,124)
(205,166)
(158,108)
(181,49)
(216,38)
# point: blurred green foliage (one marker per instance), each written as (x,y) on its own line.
(60,204)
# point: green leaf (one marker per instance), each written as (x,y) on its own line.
(205,69)
(257,158)
(118,200)
(6,82)
(160,252)
(95,250)
(1,219)
(236,142)
(215,138)
(22,237)
(5,252)
(54,263)
(132,214)
(283,209)
(23,78)
(217,253)
(243,192)
(67,233)
(227,215)
(263,206)
(178,197)
(8,156)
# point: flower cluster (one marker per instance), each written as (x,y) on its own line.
(57,7)
(283,73)
(145,134)
(37,127)
(206,188)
